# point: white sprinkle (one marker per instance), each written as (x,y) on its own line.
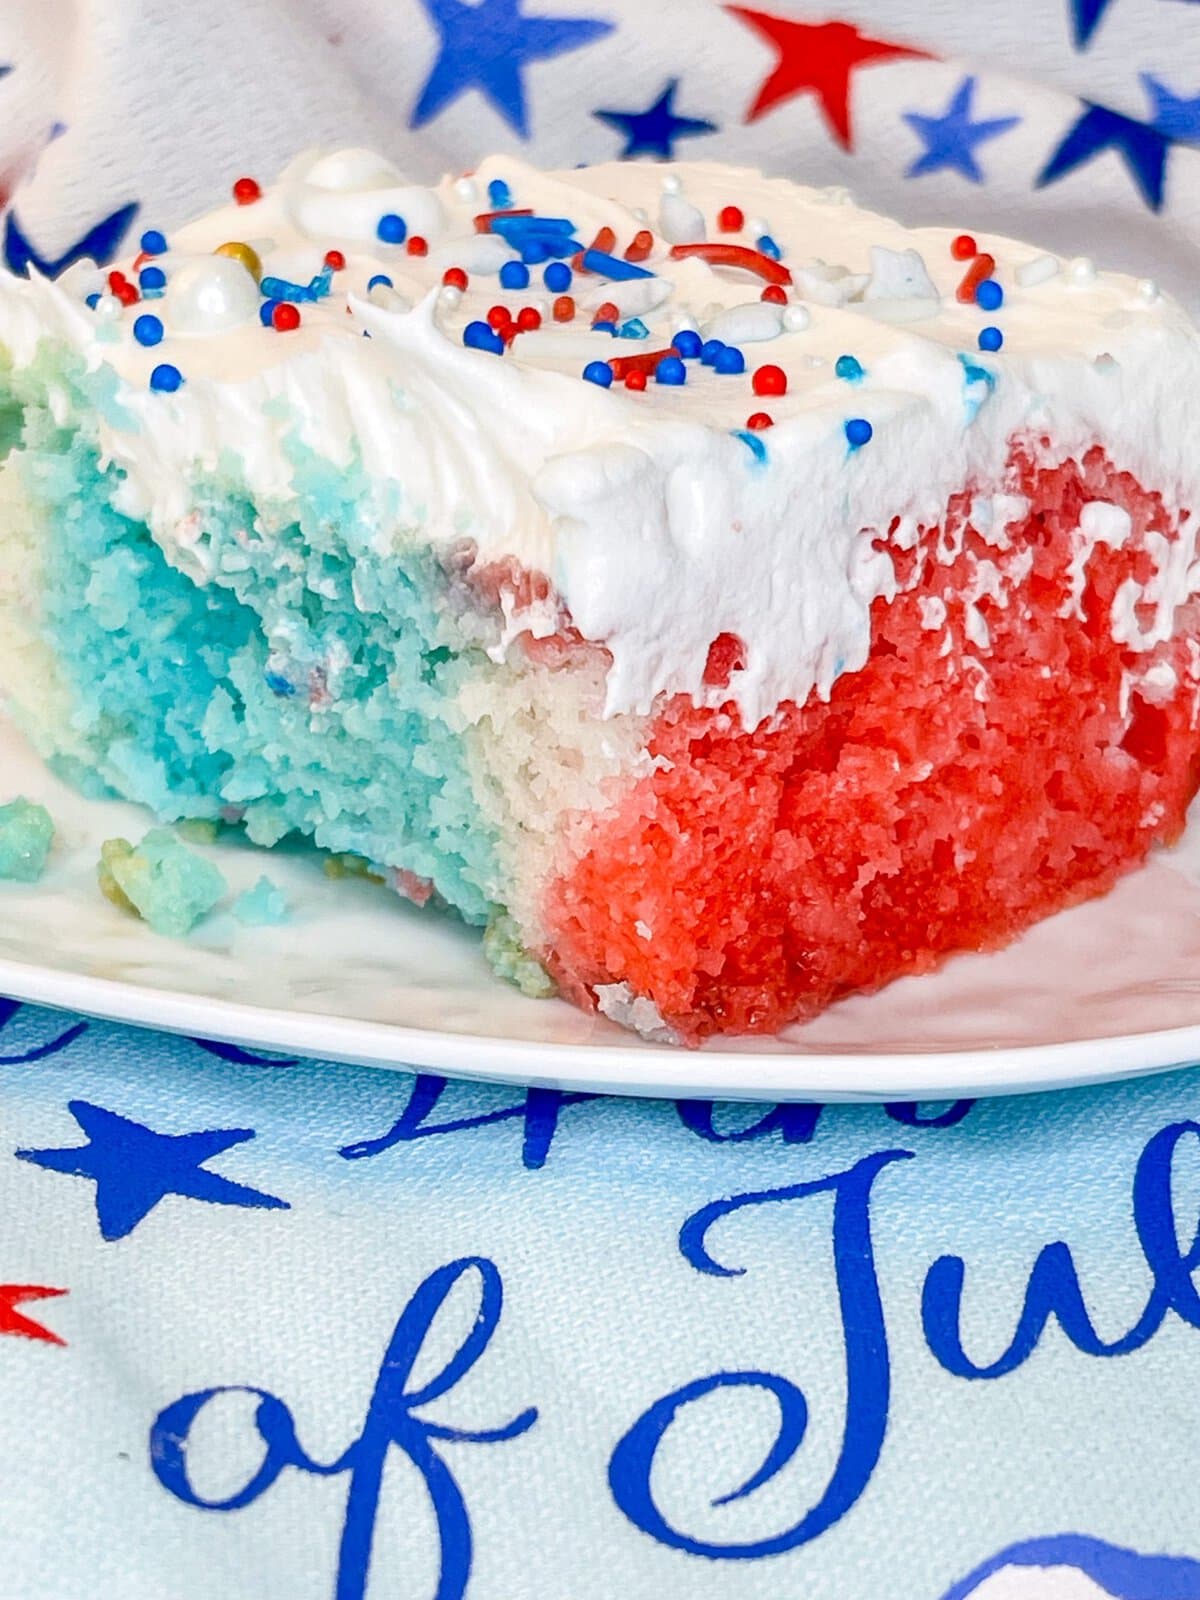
(746,324)
(477,252)
(465,189)
(631,296)
(1148,290)
(829,285)
(450,296)
(756,227)
(1042,268)
(1081,271)
(679,221)
(899,275)
(671,184)
(796,318)
(108,307)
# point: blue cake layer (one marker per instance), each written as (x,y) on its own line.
(303,687)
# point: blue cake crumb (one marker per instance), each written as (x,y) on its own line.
(26,833)
(263,906)
(161,880)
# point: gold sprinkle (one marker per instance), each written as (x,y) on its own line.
(237,251)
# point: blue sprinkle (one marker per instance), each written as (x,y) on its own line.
(990,338)
(391,229)
(278,684)
(152,280)
(710,350)
(166,378)
(520,227)
(753,443)
(499,195)
(534,252)
(670,370)
(380,277)
(479,336)
(635,328)
(858,432)
(599,372)
(973,373)
(266,311)
(848,367)
(766,246)
(321,283)
(989,296)
(557,277)
(92,301)
(612,267)
(148,330)
(730,361)
(514,276)
(285,289)
(689,343)
(604,327)
(153,242)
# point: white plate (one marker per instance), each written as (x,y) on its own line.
(1104,991)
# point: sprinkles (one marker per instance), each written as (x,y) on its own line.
(166,378)
(599,372)
(858,432)
(148,330)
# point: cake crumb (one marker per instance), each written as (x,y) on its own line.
(509,959)
(26,833)
(160,880)
(264,905)
(619,1004)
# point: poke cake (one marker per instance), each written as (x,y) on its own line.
(727,598)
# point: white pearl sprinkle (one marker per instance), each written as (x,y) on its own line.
(466,189)
(1147,289)
(796,318)
(757,226)
(671,184)
(108,307)
(450,296)
(1082,270)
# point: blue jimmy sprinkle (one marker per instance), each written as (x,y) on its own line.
(499,194)
(849,367)
(612,267)
(753,443)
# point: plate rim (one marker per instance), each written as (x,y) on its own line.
(642,1071)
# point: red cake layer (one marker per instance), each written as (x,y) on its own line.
(943,799)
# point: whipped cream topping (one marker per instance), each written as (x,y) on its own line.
(661,518)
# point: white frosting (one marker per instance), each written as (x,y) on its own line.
(652,512)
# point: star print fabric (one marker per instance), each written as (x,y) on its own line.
(1076,122)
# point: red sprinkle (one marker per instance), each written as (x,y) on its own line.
(963,248)
(607,312)
(455,278)
(759,421)
(635,379)
(115,279)
(735,255)
(246,191)
(643,243)
(417,246)
(483,222)
(140,260)
(528,319)
(498,318)
(564,308)
(285,317)
(604,241)
(982,267)
(774,294)
(335,260)
(622,366)
(770,380)
(731,219)
(127,294)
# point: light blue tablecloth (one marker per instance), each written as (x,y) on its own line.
(272,1325)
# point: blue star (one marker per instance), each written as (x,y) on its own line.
(99,243)
(950,139)
(1085,19)
(1143,149)
(484,47)
(1176,116)
(653,132)
(134,1168)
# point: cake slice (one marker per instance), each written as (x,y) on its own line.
(726,597)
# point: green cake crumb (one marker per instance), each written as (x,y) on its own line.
(161,881)
(198,830)
(26,833)
(263,906)
(509,959)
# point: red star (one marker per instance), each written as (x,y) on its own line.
(816,58)
(11,1320)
